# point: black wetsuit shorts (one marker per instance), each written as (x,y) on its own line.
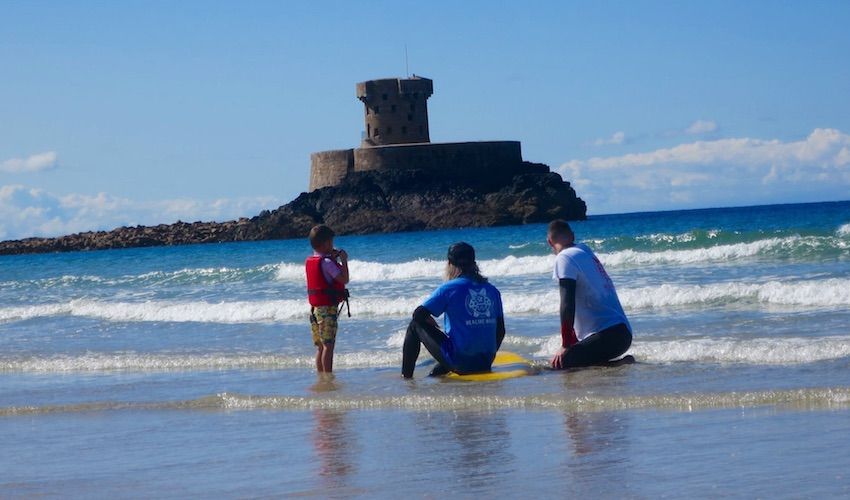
(599,348)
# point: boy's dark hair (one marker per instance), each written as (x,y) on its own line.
(320,234)
(559,227)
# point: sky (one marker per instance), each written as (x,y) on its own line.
(147,112)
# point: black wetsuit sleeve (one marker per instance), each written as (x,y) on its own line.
(567,289)
(500,331)
(421,314)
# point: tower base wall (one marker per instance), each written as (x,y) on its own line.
(449,159)
(329,168)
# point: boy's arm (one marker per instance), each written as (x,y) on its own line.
(343,277)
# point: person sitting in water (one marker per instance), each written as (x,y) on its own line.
(594,327)
(474,321)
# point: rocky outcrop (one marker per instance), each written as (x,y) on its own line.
(367,202)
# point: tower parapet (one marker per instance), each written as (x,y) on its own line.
(396,110)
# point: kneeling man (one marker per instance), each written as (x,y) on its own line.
(594,328)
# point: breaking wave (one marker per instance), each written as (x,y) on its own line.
(154,362)
(828,293)
(426,268)
(788,247)
(187,276)
(760,351)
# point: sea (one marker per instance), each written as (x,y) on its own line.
(189,371)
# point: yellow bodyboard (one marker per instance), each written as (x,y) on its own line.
(506,365)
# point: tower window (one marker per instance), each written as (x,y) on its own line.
(384,97)
(409,117)
(404,129)
(412,107)
(377,110)
(392,108)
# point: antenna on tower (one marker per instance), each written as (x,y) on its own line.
(406,68)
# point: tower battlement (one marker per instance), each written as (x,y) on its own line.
(395,110)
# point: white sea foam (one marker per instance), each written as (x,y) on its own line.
(828,293)
(366,271)
(131,361)
(772,351)
(686,237)
(719,253)
(762,351)
(205,312)
(808,398)
(425,268)
(831,292)
(210,275)
(539,265)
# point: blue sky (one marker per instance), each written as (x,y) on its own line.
(117,113)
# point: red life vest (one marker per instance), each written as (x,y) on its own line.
(319,291)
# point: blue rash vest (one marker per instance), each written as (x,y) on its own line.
(471,312)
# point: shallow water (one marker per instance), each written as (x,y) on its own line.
(189,370)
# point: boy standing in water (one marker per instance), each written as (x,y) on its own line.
(327,275)
(594,328)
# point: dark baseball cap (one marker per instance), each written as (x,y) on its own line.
(461,253)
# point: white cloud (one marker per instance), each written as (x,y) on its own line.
(34,163)
(736,171)
(26,212)
(701,127)
(616,138)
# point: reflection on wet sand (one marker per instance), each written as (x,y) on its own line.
(477,448)
(333,440)
(599,440)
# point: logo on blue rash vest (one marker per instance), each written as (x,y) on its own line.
(478,304)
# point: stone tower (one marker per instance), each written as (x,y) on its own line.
(397,138)
(396,110)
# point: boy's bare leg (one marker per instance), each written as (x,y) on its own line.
(319,359)
(327,356)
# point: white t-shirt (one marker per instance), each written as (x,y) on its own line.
(597,304)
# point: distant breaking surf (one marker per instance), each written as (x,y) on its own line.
(784,248)
(813,294)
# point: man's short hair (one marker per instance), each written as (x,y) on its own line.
(319,235)
(559,227)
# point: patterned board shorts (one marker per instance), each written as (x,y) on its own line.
(323,324)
